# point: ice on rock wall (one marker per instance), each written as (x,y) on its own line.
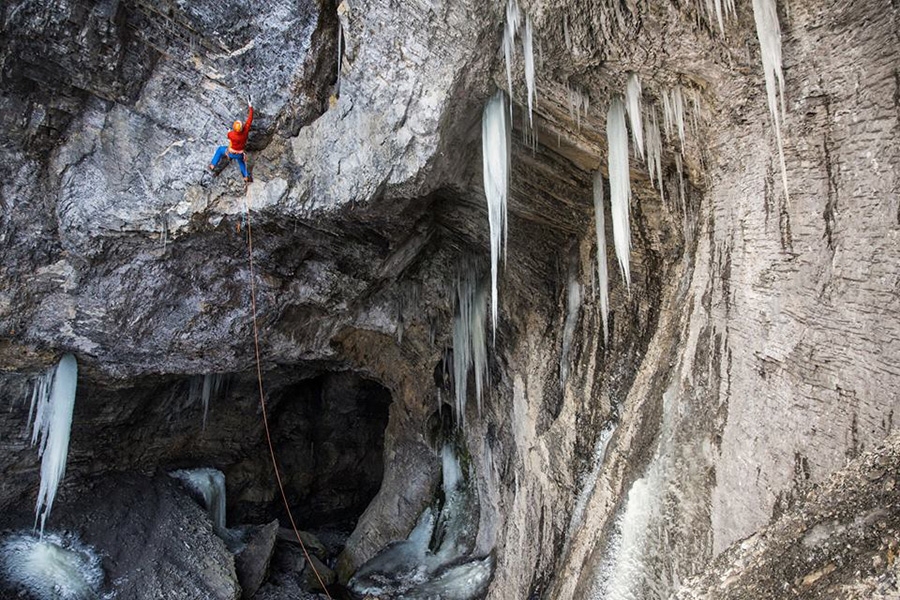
(210,485)
(633,106)
(469,338)
(50,567)
(513,20)
(654,151)
(53,404)
(205,388)
(579,104)
(433,561)
(495,151)
(573,306)
(528,51)
(619,184)
(768,30)
(602,271)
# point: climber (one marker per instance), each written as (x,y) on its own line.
(237,138)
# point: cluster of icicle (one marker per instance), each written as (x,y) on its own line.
(52,407)
(647,138)
(469,338)
(204,388)
(495,140)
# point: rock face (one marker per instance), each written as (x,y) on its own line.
(752,355)
(838,542)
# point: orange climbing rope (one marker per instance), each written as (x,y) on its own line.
(262,395)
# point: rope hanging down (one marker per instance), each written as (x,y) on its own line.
(262,395)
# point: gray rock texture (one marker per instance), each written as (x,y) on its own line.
(840,541)
(154,540)
(753,355)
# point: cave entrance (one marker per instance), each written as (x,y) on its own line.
(328,433)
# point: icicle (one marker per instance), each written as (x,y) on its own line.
(212,385)
(479,344)
(654,151)
(668,115)
(495,155)
(768,30)
(602,272)
(462,348)
(55,404)
(678,110)
(578,105)
(528,51)
(633,106)
(513,18)
(619,184)
(469,339)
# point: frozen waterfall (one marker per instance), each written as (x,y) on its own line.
(495,151)
(619,184)
(210,485)
(434,560)
(52,405)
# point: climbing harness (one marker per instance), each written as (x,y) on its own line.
(262,396)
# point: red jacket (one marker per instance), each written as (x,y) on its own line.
(237,139)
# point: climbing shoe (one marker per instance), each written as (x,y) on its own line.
(249,179)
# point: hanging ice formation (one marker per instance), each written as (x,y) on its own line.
(678,108)
(495,146)
(210,485)
(207,387)
(513,19)
(768,31)
(469,339)
(619,184)
(718,10)
(578,105)
(654,151)
(528,51)
(52,406)
(602,272)
(633,106)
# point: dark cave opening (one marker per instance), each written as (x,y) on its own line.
(328,434)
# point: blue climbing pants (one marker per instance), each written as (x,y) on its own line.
(239,157)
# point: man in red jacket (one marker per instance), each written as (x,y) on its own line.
(237,138)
